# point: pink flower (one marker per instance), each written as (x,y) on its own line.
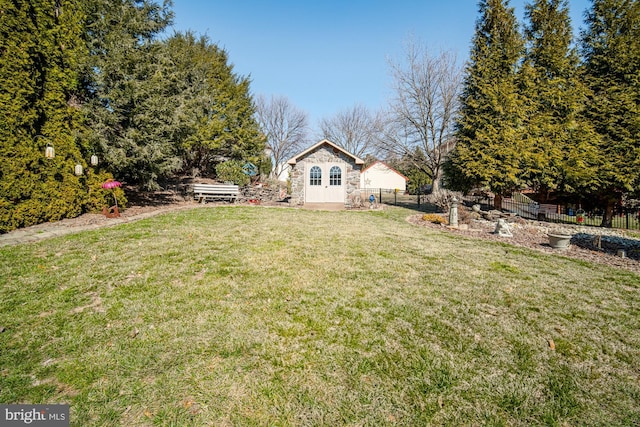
(109,185)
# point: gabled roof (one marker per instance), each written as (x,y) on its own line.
(294,159)
(386,166)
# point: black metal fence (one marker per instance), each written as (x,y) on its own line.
(384,195)
(624,218)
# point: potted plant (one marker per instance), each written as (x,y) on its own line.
(558,240)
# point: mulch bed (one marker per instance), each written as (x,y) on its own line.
(533,235)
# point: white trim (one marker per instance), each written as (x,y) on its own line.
(295,158)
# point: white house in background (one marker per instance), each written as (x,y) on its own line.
(282,171)
(381,176)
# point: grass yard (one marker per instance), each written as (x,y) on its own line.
(259,316)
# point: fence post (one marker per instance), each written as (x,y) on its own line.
(418,197)
(380,198)
(626,211)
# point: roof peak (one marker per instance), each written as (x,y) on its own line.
(325,141)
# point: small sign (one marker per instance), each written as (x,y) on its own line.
(250,169)
(34,415)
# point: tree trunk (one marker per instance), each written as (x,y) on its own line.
(544,195)
(607,218)
(436,181)
(435,185)
(497,201)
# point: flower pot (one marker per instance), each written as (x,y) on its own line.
(559,241)
(111,212)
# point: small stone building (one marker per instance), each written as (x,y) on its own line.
(325,173)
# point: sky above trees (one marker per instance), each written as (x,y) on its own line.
(328,56)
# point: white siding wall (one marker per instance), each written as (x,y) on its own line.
(380,176)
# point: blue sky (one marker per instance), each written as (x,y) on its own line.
(326,56)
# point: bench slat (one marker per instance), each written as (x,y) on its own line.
(203,192)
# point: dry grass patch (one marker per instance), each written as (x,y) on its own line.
(254,316)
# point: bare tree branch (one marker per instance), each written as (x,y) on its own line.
(423,111)
(356,130)
(285,126)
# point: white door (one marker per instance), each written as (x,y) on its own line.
(314,192)
(325,183)
(334,191)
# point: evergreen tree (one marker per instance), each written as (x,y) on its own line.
(558,144)
(489,143)
(126,99)
(40,49)
(161,107)
(91,77)
(611,50)
(213,106)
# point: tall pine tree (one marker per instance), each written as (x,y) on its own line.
(558,154)
(126,102)
(214,109)
(489,143)
(611,50)
(40,48)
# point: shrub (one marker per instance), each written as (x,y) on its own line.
(434,218)
(231,171)
(442,199)
(464,216)
(63,195)
(98,197)
(37,195)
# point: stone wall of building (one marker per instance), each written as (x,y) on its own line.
(324,154)
(297,184)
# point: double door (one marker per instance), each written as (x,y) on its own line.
(325,183)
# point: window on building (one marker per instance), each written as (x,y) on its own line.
(335,176)
(315,176)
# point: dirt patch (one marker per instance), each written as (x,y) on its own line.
(95,304)
(589,244)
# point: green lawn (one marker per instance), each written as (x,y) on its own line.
(264,316)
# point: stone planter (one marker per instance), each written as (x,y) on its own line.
(559,241)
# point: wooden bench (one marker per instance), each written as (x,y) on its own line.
(204,192)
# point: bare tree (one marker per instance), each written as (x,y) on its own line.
(356,130)
(420,124)
(285,126)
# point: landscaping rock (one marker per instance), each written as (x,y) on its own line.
(534,235)
(262,193)
(502,228)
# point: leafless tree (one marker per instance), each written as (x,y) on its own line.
(356,130)
(420,125)
(285,126)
